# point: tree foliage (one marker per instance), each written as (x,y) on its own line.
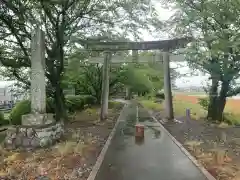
(86,78)
(216,50)
(64,21)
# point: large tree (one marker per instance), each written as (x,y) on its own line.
(64,21)
(215,25)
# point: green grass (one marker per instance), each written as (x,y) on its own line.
(149,104)
(190,93)
(196,110)
(230,118)
(179,108)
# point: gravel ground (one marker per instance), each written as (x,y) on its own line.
(70,159)
(213,138)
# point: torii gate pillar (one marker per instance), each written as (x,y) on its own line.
(105,86)
(167,86)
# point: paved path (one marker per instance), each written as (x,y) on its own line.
(157,158)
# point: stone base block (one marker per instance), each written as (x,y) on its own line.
(37,119)
(31,137)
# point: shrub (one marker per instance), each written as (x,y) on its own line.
(4,122)
(2,119)
(89,100)
(204,102)
(1,116)
(21,108)
(74,103)
(160,95)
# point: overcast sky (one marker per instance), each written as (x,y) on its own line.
(200,80)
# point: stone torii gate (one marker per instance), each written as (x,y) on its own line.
(164,46)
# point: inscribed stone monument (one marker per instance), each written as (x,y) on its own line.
(38,128)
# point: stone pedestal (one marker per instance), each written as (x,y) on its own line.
(37,119)
(33,135)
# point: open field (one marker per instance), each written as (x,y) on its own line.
(190,93)
(179,107)
(183,101)
(232,105)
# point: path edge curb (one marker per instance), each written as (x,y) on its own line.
(185,151)
(103,152)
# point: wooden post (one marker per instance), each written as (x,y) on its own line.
(167,86)
(128,93)
(105,86)
(188,114)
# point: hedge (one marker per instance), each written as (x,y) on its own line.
(78,102)
(89,100)
(160,95)
(73,103)
(2,119)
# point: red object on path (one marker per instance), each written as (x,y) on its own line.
(139,130)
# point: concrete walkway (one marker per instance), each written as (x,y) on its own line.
(157,158)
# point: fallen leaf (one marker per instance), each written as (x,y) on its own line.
(2,173)
(227,159)
(12,157)
(213,171)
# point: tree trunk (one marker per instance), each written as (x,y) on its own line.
(222,100)
(217,101)
(98,97)
(60,108)
(213,100)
